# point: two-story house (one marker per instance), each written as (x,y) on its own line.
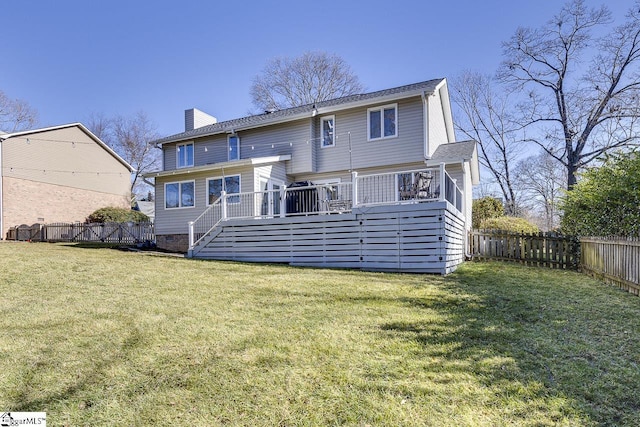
(58,174)
(332,163)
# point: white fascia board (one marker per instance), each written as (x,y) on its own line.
(446,108)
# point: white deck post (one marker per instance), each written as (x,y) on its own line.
(191,235)
(354,188)
(283,205)
(223,195)
(443,184)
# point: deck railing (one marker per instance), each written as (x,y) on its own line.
(420,185)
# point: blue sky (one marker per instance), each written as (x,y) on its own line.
(69,59)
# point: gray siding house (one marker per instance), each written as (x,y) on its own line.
(373,181)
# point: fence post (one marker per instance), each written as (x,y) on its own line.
(443,183)
(354,188)
(223,196)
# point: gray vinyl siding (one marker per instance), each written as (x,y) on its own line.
(175,221)
(210,150)
(286,138)
(437,127)
(66,157)
(351,126)
(301,140)
(281,139)
(206,151)
(169,157)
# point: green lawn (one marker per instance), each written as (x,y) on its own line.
(104,337)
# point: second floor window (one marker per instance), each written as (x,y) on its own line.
(327,129)
(382,122)
(234,147)
(185,155)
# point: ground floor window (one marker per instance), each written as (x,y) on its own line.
(230,184)
(179,194)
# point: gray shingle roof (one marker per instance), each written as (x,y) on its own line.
(454,151)
(301,111)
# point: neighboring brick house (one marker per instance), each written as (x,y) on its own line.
(58,174)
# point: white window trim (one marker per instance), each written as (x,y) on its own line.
(381,108)
(322,120)
(179,195)
(229,147)
(222,178)
(178,155)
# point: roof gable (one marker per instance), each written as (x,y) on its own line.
(79,126)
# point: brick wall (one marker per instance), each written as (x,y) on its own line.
(30,202)
(173,242)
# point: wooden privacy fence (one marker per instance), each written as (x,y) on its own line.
(615,260)
(109,232)
(539,249)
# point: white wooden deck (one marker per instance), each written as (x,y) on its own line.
(423,237)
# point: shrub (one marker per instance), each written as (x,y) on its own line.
(606,200)
(113,214)
(485,208)
(509,223)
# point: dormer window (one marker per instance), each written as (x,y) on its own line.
(327,132)
(184,155)
(233,142)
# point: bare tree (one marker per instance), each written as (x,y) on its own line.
(542,179)
(16,114)
(577,118)
(310,78)
(484,117)
(99,125)
(130,137)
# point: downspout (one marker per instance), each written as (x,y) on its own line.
(425,109)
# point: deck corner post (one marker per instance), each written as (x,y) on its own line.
(223,196)
(443,183)
(191,235)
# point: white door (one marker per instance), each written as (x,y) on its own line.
(270,188)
